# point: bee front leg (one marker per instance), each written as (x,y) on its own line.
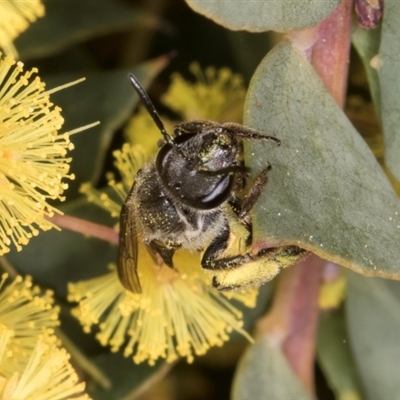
(243,207)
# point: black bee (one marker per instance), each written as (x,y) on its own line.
(180,200)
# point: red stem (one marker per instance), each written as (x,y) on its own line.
(330,53)
(85,227)
(293,318)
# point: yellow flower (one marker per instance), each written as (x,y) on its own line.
(15,18)
(217,95)
(28,313)
(128,161)
(177,313)
(32,155)
(46,375)
(141,123)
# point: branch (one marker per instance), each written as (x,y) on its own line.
(331,52)
(85,227)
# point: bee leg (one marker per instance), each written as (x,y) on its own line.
(231,273)
(254,193)
(217,246)
(156,249)
(211,260)
(243,207)
(262,267)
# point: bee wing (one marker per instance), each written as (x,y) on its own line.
(128,251)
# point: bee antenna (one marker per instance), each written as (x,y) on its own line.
(150,107)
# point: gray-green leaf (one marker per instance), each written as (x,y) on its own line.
(389,73)
(326,192)
(265,15)
(263,373)
(335,357)
(373,321)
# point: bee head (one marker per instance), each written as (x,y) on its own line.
(194,165)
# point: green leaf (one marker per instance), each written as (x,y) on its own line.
(335,358)
(67,23)
(373,321)
(326,192)
(106,97)
(263,373)
(125,376)
(259,16)
(389,72)
(366,42)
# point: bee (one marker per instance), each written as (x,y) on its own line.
(182,199)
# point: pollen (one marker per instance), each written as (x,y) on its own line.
(33,165)
(15,18)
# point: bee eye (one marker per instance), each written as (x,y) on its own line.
(162,157)
(218,195)
(164,152)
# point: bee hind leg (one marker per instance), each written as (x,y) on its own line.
(242,271)
(247,270)
(211,261)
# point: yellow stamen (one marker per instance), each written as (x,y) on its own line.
(33,165)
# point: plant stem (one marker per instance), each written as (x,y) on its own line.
(330,53)
(293,319)
(85,227)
